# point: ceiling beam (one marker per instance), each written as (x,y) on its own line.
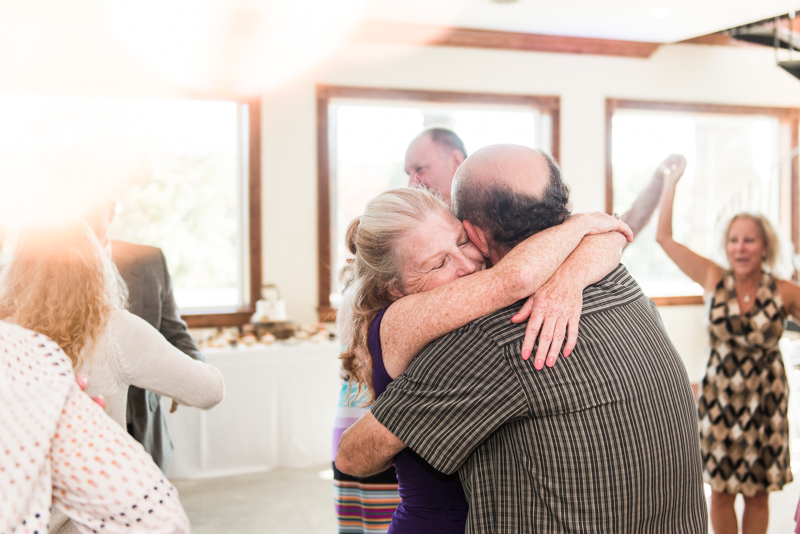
(722,38)
(719,38)
(383,32)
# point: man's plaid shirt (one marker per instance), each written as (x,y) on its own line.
(605,441)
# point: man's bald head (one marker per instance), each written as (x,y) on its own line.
(515,167)
(510,192)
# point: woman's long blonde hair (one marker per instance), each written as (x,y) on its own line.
(377,268)
(61,283)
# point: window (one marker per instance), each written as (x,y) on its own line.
(738,160)
(363,136)
(183,172)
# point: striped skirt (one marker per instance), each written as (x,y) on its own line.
(365,505)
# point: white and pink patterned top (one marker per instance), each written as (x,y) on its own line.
(58,447)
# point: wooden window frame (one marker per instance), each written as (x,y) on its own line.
(236,317)
(547,104)
(789,118)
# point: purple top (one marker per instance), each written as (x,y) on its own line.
(431,501)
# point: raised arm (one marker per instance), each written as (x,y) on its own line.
(646,202)
(701,270)
(414,321)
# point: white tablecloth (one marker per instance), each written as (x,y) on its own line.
(277,412)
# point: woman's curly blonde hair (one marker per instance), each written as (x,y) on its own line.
(61,283)
(376,269)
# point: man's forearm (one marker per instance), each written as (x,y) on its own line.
(367,448)
(593,259)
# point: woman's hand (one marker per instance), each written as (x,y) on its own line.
(554,311)
(83,383)
(672,168)
(598,222)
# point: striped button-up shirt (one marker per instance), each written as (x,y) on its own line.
(605,441)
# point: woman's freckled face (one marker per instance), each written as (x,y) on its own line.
(745,246)
(437,252)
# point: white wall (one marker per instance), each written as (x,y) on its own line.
(690,73)
(65,48)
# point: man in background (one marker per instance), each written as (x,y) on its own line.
(433,157)
(150,297)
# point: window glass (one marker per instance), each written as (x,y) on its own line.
(175,168)
(733,166)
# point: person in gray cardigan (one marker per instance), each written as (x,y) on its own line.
(150,297)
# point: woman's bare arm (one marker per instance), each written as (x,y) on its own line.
(701,270)
(790,295)
(415,320)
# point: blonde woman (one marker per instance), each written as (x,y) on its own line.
(62,283)
(744,396)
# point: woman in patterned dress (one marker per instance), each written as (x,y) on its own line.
(742,406)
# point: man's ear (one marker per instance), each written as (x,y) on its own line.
(478,238)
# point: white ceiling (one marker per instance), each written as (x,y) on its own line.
(250,46)
(606,19)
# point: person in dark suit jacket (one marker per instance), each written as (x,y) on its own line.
(150,297)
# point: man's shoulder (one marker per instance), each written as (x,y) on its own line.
(476,347)
(614,290)
(496,327)
(617,288)
(125,253)
(134,249)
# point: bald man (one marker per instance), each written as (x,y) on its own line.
(605,441)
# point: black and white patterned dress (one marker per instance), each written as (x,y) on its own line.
(744,432)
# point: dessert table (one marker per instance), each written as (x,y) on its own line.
(277,412)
